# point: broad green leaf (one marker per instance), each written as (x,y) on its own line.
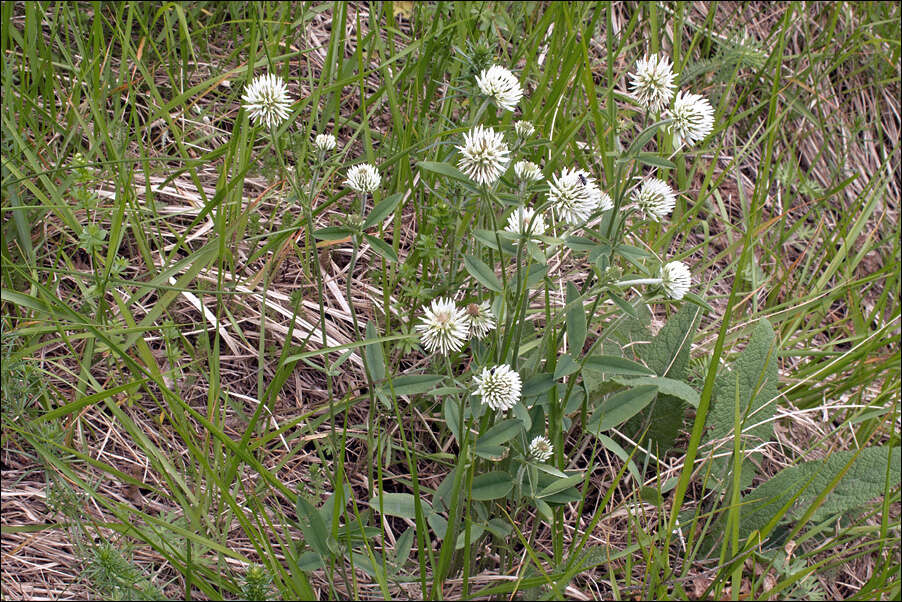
(615,448)
(565,367)
(444,169)
(382,210)
(620,407)
(755,370)
(382,248)
(332,233)
(667,386)
(491,486)
(375,359)
(624,305)
(500,433)
(576,321)
(313,527)
(863,482)
(487,237)
(560,485)
(451,411)
(537,385)
(413,384)
(655,160)
(612,364)
(398,504)
(482,273)
(476,532)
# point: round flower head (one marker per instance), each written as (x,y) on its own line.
(655,198)
(481,319)
(499,387)
(501,85)
(524,129)
(484,155)
(540,449)
(363,178)
(693,118)
(527,171)
(266,100)
(324,142)
(652,83)
(675,279)
(519,222)
(444,326)
(575,195)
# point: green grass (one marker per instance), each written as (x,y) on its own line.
(220,390)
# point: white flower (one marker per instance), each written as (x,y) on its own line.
(675,279)
(655,198)
(499,387)
(693,118)
(653,82)
(502,85)
(363,178)
(524,129)
(445,326)
(527,171)
(481,319)
(324,142)
(540,449)
(575,195)
(266,100)
(519,222)
(484,155)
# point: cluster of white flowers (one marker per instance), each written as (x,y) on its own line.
(527,171)
(526,222)
(540,449)
(324,142)
(655,198)
(445,327)
(501,85)
(676,279)
(653,87)
(575,196)
(363,178)
(499,387)
(484,155)
(266,100)
(524,129)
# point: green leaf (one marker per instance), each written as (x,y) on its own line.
(382,210)
(451,410)
(537,385)
(382,248)
(655,160)
(863,482)
(576,320)
(668,386)
(333,233)
(476,532)
(398,504)
(565,367)
(491,486)
(375,359)
(487,237)
(620,407)
(482,273)
(313,527)
(500,433)
(444,169)
(756,369)
(414,384)
(611,365)
(624,305)
(560,485)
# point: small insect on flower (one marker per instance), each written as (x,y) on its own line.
(583,180)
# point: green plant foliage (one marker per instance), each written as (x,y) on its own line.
(755,374)
(862,482)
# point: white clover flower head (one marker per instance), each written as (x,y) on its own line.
(527,171)
(675,279)
(519,222)
(266,100)
(484,155)
(501,85)
(693,118)
(655,198)
(324,142)
(481,319)
(575,195)
(444,326)
(540,449)
(363,178)
(499,387)
(652,83)
(524,129)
